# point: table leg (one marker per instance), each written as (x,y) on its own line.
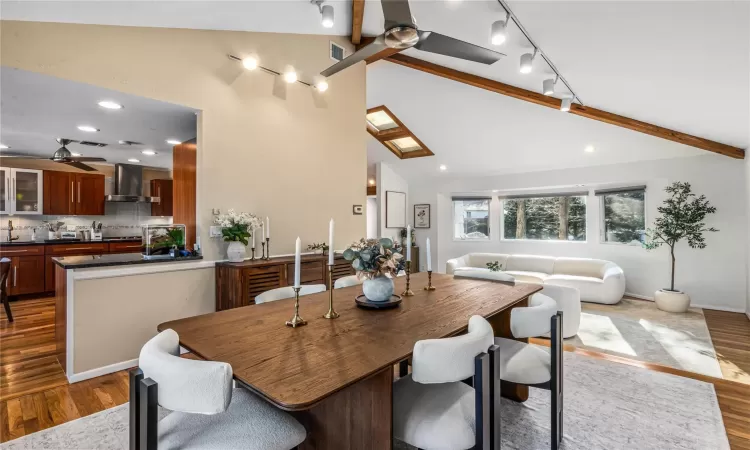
(501,326)
(356,418)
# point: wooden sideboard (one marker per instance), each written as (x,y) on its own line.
(237,284)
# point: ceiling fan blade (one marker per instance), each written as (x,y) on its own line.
(86,158)
(80,165)
(397,13)
(19,155)
(445,45)
(365,52)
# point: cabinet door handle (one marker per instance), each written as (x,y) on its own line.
(15,251)
(72,195)
(14,195)
(158,194)
(78,248)
(15,275)
(7,195)
(79,192)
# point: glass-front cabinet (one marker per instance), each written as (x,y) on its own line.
(20,191)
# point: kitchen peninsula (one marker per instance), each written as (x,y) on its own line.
(107,305)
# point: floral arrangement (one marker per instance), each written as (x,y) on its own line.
(318,246)
(237,226)
(494,266)
(374,258)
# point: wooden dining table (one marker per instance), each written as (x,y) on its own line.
(336,375)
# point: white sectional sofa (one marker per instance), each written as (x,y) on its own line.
(597,280)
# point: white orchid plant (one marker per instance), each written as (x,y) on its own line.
(237,226)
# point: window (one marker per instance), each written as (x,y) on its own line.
(554,218)
(623,215)
(383,125)
(471,218)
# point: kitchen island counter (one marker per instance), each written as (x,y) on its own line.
(123,259)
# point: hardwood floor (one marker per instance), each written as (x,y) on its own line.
(34,393)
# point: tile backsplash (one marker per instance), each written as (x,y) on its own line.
(120,219)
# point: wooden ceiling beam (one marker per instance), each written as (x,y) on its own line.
(358,16)
(551,102)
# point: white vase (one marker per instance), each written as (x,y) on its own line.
(378,289)
(236,251)
(672,301)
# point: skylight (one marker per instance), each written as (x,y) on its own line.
(384,126)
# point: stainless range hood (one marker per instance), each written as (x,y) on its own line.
(129,185)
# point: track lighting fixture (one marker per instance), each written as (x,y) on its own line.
(527,59)
(250,63)
(565,104)
(321,86)
(326,13)
(290,76)
(499,31)
(548,86)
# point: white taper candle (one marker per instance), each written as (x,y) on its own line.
(268,228)
(330,243)
(297,262)
(429,256)
(408,243)
(253,233)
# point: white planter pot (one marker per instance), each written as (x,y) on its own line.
(672,301)
(236,251)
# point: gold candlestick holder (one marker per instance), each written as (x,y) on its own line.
(331,314)
(296,320)
(408,292)
(429,286)
(268,249)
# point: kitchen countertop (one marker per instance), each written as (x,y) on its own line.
(124,259)
(67,241)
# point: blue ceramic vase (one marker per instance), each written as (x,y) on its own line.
(378,289)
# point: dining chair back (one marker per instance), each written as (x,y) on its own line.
(533,320)
(288,292)
(350,280)
(4,273)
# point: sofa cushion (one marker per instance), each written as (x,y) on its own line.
(531,263)
(589,287)
(484,274)
(583,267)
(481,259)
(528,277)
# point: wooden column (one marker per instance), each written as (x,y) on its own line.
(184,160)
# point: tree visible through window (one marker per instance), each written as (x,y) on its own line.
(471,218)
(624,216)
(545,218)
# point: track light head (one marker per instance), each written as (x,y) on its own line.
(527,59)
(548,86)
(326,12)
(321,86)
(499,32)
(290,76)
(565,104)
(250,63)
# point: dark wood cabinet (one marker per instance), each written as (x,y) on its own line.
(163,190)
(59,192)
(237,284)
(89,194)
(72,193)
(125,247)
(70,249)
(26,269)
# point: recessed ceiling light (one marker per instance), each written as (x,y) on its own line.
(3,146)
(88,128)
(148,152)
(173,142)
(589,149)
(443,167)
(372,182)
(495,190)
(133,160)
(74,154)
(110,104)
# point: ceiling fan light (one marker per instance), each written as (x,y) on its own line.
(250,63)
(548,86)
(565,104)
(526,60)
(326,12)
(498,34)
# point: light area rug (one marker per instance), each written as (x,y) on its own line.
(607,406)
(637,329)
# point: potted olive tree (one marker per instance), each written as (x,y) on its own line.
(681,217)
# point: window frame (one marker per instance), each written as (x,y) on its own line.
(504,199)
(489,219)
(602,225)
(400,131)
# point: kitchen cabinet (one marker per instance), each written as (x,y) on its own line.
(73,193)
(125,247)
(71,249)
(163,190)
(22,191)
(26,269)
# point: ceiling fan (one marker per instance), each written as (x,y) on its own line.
(62,156)
(401,32)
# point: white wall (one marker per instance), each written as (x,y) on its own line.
(714,277)
(388,180)
(421,194)
(372,216)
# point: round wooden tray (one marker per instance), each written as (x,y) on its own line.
(362,302)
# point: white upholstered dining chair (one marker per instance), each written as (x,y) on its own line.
(288,292)
(207,413)
(349,280)
(531,365)
(433,408)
